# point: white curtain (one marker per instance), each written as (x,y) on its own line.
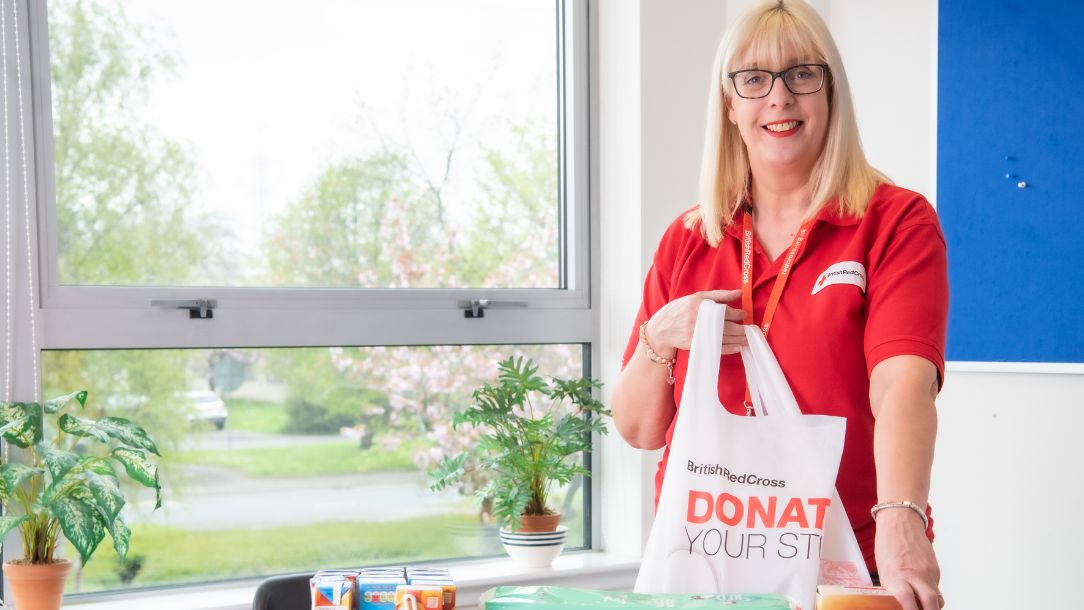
(20,330)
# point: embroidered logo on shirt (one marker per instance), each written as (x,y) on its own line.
(847,272)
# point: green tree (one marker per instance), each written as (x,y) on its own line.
(513,239)
(123,191)
(321,400)
(378,221)
(375,222)
(349,228)
(144,386)
(123,195)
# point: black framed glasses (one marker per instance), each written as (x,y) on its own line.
(802,79)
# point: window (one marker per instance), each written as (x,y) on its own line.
(289,459)
(342,145)
(265,217)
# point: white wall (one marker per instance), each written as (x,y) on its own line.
(621,470)
(654,62)
(890,50)
(1005,477)
(1006,488)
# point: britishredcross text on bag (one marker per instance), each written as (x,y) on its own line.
(724,472)
(749,503)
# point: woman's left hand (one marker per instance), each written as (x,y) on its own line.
(906,563)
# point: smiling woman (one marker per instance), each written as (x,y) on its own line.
(787,201)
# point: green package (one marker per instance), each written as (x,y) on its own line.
(561,598)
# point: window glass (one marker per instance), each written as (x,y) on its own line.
(291,460)
(306,144)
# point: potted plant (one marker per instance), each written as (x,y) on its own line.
(533,430)
(65,487)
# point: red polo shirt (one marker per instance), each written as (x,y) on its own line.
(862,290)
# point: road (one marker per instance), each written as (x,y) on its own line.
(217,498)
(222,440)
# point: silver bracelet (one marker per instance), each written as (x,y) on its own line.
(901,504)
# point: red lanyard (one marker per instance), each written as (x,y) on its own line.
(780,281)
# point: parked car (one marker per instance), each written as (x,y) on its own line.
(208,407)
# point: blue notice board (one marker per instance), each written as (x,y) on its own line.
(1010,178)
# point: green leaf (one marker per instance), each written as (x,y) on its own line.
(102,466)
(520,373)
(144,472)
(14,475)
(121,536)
(510,499)
(81,523)
(8,523)
(66,486)
(22,423)
(119,428)
(106,494)
(58,461)
(82,427)
(55,404)
(448,472)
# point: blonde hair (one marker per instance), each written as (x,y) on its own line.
(842,174)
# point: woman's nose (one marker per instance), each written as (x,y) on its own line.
(780,95)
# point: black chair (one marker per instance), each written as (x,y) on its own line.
(290,592)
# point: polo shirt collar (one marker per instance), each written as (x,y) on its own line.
(828,213)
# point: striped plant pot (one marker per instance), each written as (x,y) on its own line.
(534,549)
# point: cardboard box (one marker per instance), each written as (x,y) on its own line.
(377,592)
(421,597)
(446,585)
(331,592)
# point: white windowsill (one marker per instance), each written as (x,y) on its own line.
(589,570)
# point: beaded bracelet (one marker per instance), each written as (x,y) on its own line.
(901,504)
(654,357)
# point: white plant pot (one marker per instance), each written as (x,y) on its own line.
(534,549)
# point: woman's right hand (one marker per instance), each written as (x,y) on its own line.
(671,328)
(642,401)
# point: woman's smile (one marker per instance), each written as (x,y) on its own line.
(783,129)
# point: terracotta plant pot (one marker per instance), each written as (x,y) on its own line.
(539,523)
(37,586)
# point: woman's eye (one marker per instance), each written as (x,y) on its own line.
(752,79)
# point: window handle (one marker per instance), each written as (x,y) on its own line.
(476,308)
(198,309)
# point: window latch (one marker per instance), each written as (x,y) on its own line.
(476,308)
(198,309)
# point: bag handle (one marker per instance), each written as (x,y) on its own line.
(706,346)
(767,384)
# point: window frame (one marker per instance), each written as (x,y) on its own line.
(99,317)
(88,317)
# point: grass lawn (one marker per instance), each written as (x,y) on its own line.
(177,556)
(256,416)
(337,456)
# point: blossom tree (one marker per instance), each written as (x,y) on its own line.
(371,222)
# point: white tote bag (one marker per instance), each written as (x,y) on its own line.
(749,504)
